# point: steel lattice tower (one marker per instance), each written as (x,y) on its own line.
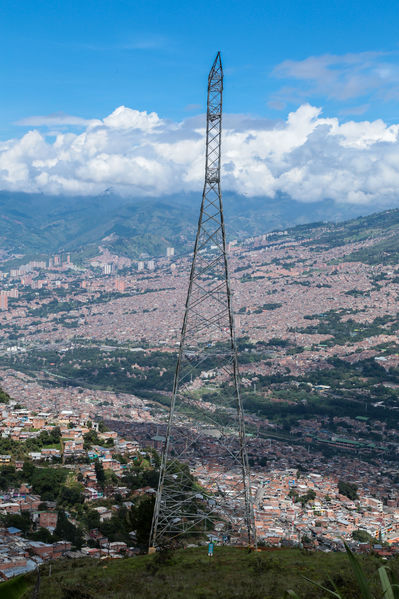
(208,353)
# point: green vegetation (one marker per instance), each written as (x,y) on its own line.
(381,226)
(349,331)
(364,587)
(358,229)
(14,588)
(146,374)
(348,489)
(64,530)
(230,574)
(385,251)
(363,536)
(4,397)
(46,481)
(62,486)
(100,474)
(19,449)
(120,370)
(352,389)
(302,499)
(36,224)
(92,438)
(269,306)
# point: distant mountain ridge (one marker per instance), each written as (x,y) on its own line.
(35,224)
(383,227)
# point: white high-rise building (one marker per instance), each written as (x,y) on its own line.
(151,265)
(140,266)
(170,252)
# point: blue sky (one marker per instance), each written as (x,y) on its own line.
(98,94)
(86,58)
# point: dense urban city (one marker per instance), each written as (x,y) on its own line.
(86,366)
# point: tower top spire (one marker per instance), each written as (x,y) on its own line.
(216,69)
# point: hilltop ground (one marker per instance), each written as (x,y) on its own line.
(190,574)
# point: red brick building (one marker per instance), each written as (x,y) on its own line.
(48,519)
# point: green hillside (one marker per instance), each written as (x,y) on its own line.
(190,574)
(36,225)
(383,225)
(39,225)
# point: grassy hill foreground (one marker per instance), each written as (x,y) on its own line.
(190,574)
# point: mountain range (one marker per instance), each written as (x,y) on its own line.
(38,225)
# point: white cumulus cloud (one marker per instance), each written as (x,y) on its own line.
(138,153)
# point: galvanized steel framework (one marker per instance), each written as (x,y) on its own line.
(208,352)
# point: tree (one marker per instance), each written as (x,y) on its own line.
(71,495)
(303,499)
(92,519)
(66,531)
(140,518)
(309,496)
(47,482)
(110,480)
(348,489)
(4,397)
(55,435)
(21,521)
(91,438)
(362,536)
(100,474)
(8,477)
(102,427)
(43,535)
(27,470)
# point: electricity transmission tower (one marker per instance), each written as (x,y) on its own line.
(206,422)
